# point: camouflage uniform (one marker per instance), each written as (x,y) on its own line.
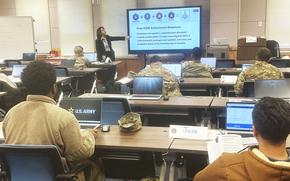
(170,82)
(81,62)
(260,70)
(194,69)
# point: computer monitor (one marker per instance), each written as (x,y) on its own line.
(17,70)
(218,51)
(274,88)
(147,85)
(210,61)
(175,68)
(246,66)
(239,116)
(69,63)
(28,56)
(86,110)
(113,109)
(225,63)
(91,56)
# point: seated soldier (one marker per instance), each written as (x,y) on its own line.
(81,61)
(170,82)
(268,161)
(260,70)
(38,120)
(193,68)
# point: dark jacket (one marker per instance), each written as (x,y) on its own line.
(101,48)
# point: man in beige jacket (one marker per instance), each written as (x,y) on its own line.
(39,121)
(268,161)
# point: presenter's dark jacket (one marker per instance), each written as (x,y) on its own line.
(101,51)
(251,165)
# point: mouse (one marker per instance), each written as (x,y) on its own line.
(105,128)
(165,98)
(181,80)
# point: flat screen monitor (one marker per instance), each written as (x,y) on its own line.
(86,110)
(175,68)
(274,88)
(28,56)
(91,56)
(239,116)
(147,85)
(210,61)
(164,30)
(17,70)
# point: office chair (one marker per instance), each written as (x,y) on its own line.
(225,63)
(10,63)
(33,162)
(28,56)
(273,46)
(249,89)
(65,86)
(280,63)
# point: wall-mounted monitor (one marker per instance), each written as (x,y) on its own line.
(164,30)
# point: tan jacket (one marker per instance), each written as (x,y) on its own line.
(39,121)
(249,165)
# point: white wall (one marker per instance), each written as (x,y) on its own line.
(112,15)
(75,25)
(278,23)
(38,9)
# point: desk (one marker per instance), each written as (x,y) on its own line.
(81,72)
(226,71)
(220,102)
(188,82)
(189,146)
(105,65)
(58,79)
(147,139)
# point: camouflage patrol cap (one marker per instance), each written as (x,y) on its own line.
(130,122)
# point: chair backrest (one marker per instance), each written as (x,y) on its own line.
(31,162)
(61,71)
(280,63)
(10,63)
(273,46)
(225,63)
(249,89)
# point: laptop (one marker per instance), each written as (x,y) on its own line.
(147,88)
(174,68)
(17,70)
(86,110)
(239,118)
(28,56)
(246,66)
(69,63)
(91,56)
(274,88)
(210,61)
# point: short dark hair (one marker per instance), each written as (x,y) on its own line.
(154,59)
(38,78)
(196,53)
(271,117)
(263,54)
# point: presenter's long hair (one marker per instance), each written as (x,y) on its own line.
(99,32)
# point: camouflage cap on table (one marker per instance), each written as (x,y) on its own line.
(130,122)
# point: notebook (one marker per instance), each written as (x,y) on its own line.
(239,118)
(86,110)
(91,56)
(274,88)
(17,70)
(174,68)
(245,66)
(210,61)
(69,63)
(147,87)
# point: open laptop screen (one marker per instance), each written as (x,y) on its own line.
(86,110)
(91,56)
(210,61)
(17,70)
(274,88)
(246,66)
(147,85)
(174,68)
(239,116)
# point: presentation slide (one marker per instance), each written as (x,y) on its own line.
(161,30)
